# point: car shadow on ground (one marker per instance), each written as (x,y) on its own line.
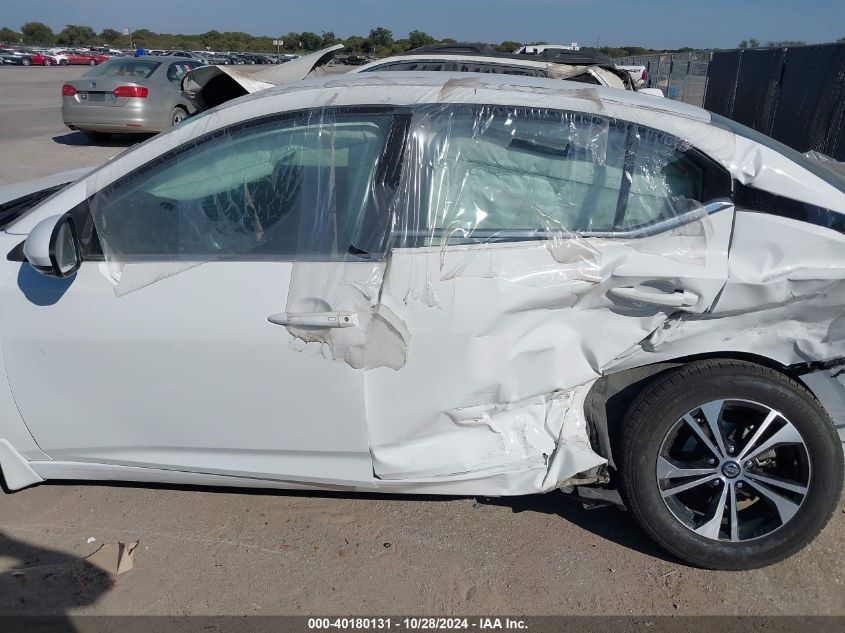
(44,582)
(607,521)
(116,140)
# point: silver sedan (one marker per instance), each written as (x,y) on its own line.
(127,95)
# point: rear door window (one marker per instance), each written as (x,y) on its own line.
(177,70)
(500,69)
(514,174)
(436,66)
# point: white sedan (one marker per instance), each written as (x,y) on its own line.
(443,283)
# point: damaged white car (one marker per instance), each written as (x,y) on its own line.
(444,283)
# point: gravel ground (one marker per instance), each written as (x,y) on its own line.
(223,551)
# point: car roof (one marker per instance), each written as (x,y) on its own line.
(408,88)
(555,55)
(528,63)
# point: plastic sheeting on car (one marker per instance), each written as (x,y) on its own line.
(492,260)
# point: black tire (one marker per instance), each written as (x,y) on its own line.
(92,62)
(98,137)
(659,409)
(64,62)
(47,62)
(25,62)
(178,115)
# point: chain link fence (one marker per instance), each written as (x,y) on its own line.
(681,76)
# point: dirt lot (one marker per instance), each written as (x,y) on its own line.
(222,551)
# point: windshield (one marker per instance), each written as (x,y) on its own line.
(816,167)
(135,69)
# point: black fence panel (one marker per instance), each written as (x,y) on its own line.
(758,88)
(721,82)
(809,110)
(796,95)
(836,144)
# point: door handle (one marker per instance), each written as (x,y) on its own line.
(315,319)
(676,299)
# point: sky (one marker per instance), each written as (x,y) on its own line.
(651,23)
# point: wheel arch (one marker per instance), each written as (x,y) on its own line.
(611,396)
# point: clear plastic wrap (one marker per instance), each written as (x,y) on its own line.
(474,249)
(489,173)
(300,187)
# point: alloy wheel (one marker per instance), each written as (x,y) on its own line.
(733,470)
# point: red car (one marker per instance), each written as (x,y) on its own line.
(39,59)
(90,58)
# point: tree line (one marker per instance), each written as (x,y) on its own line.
(379,42)
(753,42)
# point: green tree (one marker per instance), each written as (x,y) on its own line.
(508,46)
(310,41)
(753,43)
(636,50)
(292,41)
(743,44)
(782,43)
(356,43)
(261,45)
(237,41)
(381,37)
(144,38)
(214,40)
(416,39)
(38,33)
(9,36)
(111,37)
(75,34)
(328,38)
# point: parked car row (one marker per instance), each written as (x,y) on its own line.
(70,57)
(225,58)
(53,57)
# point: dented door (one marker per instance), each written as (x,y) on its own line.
(539,247)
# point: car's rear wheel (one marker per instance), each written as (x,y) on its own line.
(63,62)
(92,62)
(729,465)
(47,62)
(25,62)
(177,116)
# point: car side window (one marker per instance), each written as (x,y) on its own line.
(511,174)
(177,70)
(313,185)
(410,66)
(500,69)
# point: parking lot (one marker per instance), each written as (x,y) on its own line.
(239,551)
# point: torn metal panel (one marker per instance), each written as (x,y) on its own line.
(299,68)
(782,300)
(210,86)
(828,386)
(536,444)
